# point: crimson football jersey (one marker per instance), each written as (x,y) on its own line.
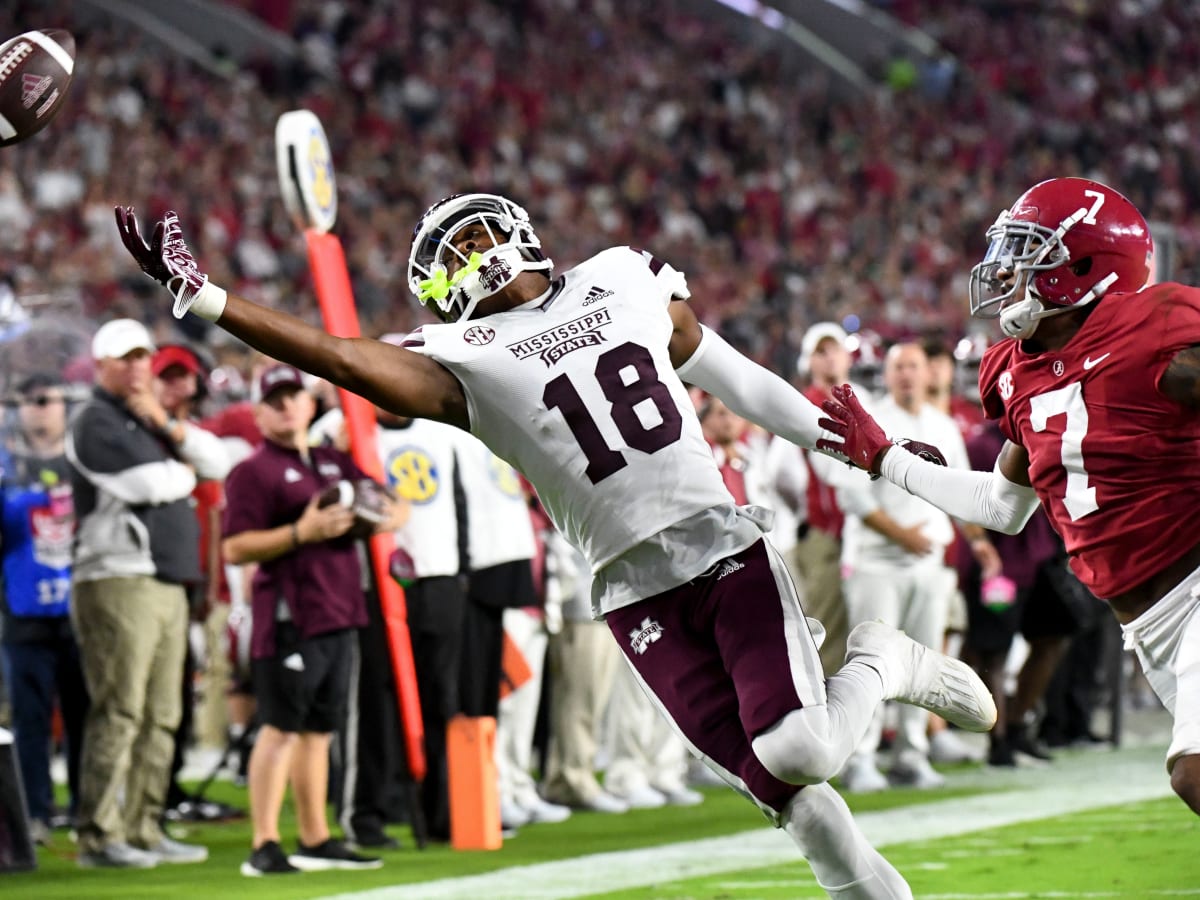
(1115,463)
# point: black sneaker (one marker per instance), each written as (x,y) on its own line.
(373,840)
(331,855)
(269,859)
(1000,753)
(1023,743)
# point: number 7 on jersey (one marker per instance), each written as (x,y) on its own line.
(1080,498)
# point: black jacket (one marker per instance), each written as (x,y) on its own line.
(132,498)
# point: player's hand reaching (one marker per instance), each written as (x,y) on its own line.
(862,442)
(168,260)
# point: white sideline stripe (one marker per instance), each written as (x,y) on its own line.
(602,873)
(1073,895)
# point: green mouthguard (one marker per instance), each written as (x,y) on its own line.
(438,287)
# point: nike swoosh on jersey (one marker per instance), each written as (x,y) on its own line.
(1089,362)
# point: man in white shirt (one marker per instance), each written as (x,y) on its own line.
(893,559)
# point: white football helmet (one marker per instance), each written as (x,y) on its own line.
(481,274)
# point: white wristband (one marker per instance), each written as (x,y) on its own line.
(208,302)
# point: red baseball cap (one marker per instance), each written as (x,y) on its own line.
(175,355)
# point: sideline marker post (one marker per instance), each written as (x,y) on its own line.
(307,180)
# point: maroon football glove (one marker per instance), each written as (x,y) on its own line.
(862,440)
(927,452)
(166,258)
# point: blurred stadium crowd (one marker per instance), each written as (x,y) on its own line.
(636,122)
(786,201)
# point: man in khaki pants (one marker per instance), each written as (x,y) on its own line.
(136,548)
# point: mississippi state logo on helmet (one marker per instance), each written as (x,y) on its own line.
(1064,243)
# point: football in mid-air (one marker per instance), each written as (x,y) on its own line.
(35,72)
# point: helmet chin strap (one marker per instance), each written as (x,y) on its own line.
(1020,320)
(498,268)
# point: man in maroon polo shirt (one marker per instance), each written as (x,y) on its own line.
(307,601)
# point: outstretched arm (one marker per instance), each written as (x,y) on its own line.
(398,380)
(701,357)
(403,382)
(1001,500)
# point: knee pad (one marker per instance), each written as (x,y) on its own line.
(798,749)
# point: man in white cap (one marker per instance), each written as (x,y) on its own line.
(136,551)
(824,362)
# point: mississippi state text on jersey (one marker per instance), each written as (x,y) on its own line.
(1115,463)
(576,390)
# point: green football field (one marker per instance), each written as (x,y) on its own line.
(1141,850)
(1094,824)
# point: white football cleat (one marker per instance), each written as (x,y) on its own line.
(641,797)
(861,776)
(604,802)
(682,796)
(920,676)
(912,769)
(513,815)
(947,747)
(540,810)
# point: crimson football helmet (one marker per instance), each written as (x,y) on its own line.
(480,274)
(1073,239)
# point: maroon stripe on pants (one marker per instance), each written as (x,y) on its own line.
(714,653)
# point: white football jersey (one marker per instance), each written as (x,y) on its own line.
(498,520)
(418,466)
(577,391)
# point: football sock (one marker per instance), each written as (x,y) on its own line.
(843,861)
(811,744)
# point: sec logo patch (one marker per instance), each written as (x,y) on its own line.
(479,335)
(412,475)
(505,477)
(1005,385)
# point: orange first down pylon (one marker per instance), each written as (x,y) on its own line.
(332,282)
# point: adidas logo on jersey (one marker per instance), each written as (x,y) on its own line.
(595,295)
(642,637)
(728,567)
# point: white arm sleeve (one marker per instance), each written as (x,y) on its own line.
(751,391)
(205,451)
(985,498)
